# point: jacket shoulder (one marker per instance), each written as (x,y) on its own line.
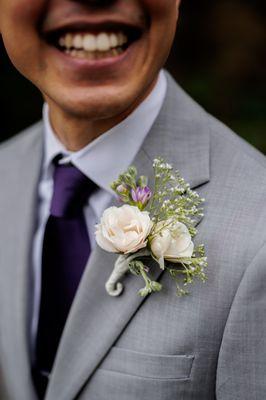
(232,146)
(225,143)
(21,143)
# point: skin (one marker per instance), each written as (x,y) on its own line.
(85,101)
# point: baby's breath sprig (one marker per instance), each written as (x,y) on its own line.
(173,200)
(187,269)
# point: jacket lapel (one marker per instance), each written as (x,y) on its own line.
(96,320)
(21,173)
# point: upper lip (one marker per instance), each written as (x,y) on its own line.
(93,24)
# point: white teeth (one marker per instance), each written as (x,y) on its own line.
(121,39)
(77,41)
(94,55)
(89,42)
(102,42)
(73,52)
(62,41)
(68,40)
(113,38)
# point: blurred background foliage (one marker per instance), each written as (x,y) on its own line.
(218,57)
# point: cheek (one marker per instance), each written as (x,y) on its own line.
(19,21)
(25,10)
(15,14)
(163,16)
(160,7)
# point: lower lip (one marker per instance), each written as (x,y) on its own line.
(97,67)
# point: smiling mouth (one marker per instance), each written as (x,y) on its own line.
(93,42)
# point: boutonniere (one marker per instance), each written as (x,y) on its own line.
(158,225)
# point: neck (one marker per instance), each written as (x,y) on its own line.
(76,132)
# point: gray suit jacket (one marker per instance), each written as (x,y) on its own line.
(208,345)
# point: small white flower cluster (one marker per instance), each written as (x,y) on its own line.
(159,224)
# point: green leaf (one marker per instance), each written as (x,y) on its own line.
(142,181)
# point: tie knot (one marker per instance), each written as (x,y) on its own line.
(71,191)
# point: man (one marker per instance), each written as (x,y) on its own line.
(108,104)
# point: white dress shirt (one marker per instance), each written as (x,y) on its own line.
(101,161)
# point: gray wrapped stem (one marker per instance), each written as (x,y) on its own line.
(113,286)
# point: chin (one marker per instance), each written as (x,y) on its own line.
(93,104)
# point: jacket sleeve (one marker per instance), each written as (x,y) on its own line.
(241,369)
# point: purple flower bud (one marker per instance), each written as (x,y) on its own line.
(141,195)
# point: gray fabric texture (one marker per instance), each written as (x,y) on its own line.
(205,346)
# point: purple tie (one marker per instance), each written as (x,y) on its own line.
(66,248)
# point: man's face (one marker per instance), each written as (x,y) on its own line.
(91,58)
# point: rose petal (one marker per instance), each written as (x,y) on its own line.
(104,243)
(123,229)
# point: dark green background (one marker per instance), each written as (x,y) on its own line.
(218,56)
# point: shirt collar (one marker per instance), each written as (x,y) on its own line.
(106,157)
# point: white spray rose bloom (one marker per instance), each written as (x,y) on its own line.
(123,229)
(172,242)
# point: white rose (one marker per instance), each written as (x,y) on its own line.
(173,243)
(123,229)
